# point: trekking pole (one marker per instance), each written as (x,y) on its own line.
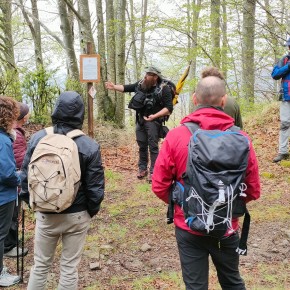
(22,242)
(17,236)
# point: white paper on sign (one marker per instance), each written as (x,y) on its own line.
(92,92)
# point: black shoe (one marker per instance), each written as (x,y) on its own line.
(280,157)
(142,174)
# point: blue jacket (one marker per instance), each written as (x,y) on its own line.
(9,179)
(282,71)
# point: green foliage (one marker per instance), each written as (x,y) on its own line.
(75,85)
(268,175)
(38,89)
(9,84)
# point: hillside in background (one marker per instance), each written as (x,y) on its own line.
(130,246)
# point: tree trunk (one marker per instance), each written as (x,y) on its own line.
(67,34)
(215,31)
(192,23)
(120,61)
(101,96)
(110,102)
(12,86)
(248,64)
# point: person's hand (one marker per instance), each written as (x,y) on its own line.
(109,86)
(149,118)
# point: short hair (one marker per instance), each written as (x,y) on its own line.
(212,71)
(210,90)
(9,111)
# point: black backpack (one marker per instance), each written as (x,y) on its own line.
(146,101)
(213,182)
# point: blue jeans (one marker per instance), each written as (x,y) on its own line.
(6,213)
(194,252)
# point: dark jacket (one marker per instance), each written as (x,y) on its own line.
(282,71)
(9,179)
(171,161)
(19,146)
(68,114)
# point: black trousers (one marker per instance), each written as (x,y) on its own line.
(11,239)
(6,213)
(194,254)
(147,136)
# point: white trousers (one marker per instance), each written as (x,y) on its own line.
(285,127)
(71,229)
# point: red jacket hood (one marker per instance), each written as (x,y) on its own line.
(210,119)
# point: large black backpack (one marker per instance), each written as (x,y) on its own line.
(142,102)
(213,182)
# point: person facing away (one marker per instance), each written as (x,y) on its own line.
(19,149)
(9,179)
(281,71)
(194,247)
(149,119)
(70,225)
(231,107)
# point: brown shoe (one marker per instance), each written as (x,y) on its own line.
(149,178)
(142,174)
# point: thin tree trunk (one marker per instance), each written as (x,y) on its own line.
(110,103)
(101,96)
(248,65)
(120,60)
(215,31)
(68,41)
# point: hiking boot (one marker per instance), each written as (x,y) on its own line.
(149,178)
(7,279)
(13,253)
(142,174)
(280,157)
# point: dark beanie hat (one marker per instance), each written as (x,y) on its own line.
(24,110)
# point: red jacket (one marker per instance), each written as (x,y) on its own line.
(171,161)
(19,146)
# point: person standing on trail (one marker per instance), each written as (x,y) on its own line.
(9,179)
(195,247)
(69,226)
(231,107)
(149,118)
(19,149)
(281,71)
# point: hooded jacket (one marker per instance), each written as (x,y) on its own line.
(9,179)
(68,115)
(282,71)
(171,161)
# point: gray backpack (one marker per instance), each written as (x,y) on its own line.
(213,181)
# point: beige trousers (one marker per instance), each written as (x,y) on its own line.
(71,230)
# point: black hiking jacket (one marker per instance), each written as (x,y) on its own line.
(68,115)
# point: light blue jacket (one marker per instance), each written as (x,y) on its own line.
(282,71)
(9,179)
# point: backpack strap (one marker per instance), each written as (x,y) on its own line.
(191,126)
(75,133)
(242,248)
(72,134)
(49,130)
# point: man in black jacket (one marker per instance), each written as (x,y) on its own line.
(71,225)
(149,118)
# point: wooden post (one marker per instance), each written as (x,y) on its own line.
(90,100)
